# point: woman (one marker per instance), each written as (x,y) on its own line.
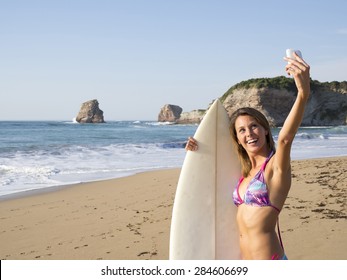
(266,172)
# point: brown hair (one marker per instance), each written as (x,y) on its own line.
(246,165)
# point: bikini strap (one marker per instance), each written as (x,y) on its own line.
(274,207)
(267,160)
(240,181)
(279,233)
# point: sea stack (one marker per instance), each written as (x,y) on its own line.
(169,113)
(90,113)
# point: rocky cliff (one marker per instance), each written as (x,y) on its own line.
(275,97)
(90,113)
(194,116)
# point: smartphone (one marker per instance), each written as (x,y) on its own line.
(290,53)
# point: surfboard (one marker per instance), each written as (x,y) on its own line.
(203,225)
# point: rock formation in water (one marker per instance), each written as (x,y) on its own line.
(194,116)
(169,113)
(90,113)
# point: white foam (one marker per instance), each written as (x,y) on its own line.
(81,163)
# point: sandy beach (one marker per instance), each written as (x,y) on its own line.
(129,218)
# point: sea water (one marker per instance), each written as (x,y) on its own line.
(43,154)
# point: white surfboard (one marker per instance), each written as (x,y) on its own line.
(203,225)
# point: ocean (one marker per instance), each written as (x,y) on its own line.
(42,154)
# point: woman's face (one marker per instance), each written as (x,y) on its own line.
(250,134)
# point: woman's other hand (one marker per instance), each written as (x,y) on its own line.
(192,144)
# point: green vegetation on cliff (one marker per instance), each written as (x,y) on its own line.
(333,86)
(284,83)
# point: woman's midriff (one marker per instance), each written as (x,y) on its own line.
(258,238)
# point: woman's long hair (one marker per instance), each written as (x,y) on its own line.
(246,164)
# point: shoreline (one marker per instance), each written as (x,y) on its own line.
(129,217)
(54,188)
(38,191)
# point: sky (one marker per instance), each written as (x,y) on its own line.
(135,56)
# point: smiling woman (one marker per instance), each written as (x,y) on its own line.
(247,122)
(266,173)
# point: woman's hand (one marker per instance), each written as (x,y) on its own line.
(300,71)
(192,144)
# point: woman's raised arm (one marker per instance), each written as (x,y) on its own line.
(300,71)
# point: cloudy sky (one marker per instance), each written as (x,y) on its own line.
(134,56)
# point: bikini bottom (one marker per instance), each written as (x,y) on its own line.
(276,257)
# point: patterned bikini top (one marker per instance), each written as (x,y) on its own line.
(257,192)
